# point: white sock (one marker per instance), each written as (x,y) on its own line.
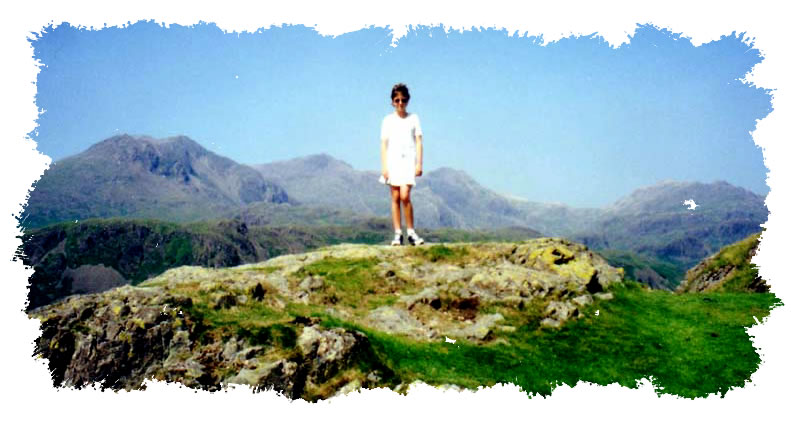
(398,232)
(410,231)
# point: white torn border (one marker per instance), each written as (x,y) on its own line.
(772,28)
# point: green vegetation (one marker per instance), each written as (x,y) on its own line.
(354,283)
(738,256)
(690,345)
(259,323)
(657,273)
(137,249)
(441,252)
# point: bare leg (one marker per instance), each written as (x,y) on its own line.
(405,198)
(395,192)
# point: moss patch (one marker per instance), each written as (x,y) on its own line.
(442,253)
(353,283)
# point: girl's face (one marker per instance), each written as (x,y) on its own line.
(400,102)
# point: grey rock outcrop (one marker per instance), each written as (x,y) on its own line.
(260,324)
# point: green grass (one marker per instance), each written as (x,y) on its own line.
(253,321)
(440,252)
(741,279)
(690,345)
(354,283)
(738,256)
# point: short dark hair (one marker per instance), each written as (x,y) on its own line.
(401,88)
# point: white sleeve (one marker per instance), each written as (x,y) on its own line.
(417,127)
(384,130)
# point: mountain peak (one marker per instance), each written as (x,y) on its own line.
(323,160)
(670,194)
(126,143)
(179,139)
(303,166)
(449,171)
(173,178)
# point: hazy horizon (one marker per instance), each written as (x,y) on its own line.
(575,122)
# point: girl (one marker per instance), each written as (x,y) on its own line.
(401,161)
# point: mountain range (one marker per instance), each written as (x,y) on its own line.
(447,197)
(177,180)
(651,223)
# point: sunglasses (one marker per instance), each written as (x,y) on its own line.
(401,100)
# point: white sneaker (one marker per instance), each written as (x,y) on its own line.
(415,240)
(398,240)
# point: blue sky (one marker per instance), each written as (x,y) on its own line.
(575,121)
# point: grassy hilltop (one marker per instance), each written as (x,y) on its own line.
(98,254)
(538,313)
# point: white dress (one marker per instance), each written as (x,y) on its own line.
(401,147)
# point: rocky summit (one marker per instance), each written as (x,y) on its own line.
(304,324)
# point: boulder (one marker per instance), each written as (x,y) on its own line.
(398,320)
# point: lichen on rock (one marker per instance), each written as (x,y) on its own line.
(260,324)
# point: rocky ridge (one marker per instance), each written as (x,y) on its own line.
(301,324)
(728,270)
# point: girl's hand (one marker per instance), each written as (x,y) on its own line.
(385,174)
(419,171)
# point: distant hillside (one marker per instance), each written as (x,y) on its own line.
(442,198)
(557,219)
(287,214)
(653,221)
(668,196)
(452,198)
(171,179)
(728,270)
(324,181)
(655,273)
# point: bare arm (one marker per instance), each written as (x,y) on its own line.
(419,156)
